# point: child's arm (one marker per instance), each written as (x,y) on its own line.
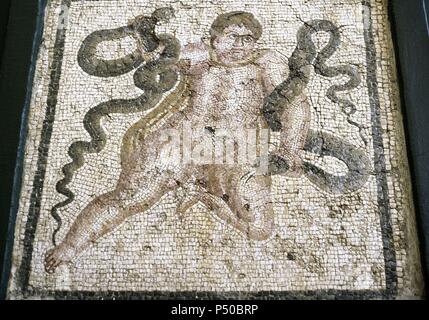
(295,119)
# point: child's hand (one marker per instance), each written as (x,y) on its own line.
(296,167)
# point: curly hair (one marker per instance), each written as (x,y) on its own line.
(245,19)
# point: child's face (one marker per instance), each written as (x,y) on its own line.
(235,44)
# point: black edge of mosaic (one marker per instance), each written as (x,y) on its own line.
(410,24)
(389,255)
(380,160)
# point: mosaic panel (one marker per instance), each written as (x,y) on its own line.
(228,149)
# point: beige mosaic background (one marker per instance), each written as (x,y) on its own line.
(335,239)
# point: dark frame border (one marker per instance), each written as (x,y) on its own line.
(389,254)
(410,27)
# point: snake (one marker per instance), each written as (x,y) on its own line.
(155,77)
(320,143)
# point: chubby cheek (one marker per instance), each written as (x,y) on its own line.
(249,47)
(224,44)
(245,52)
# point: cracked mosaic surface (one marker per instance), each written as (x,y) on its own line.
(104,213)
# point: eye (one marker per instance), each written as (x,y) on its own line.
(247,39)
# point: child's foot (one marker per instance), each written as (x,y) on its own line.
(62,253)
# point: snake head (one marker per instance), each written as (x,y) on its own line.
(144,22)
(163,15)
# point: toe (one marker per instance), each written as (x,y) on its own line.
(56,264)
(49,254)
(52,265)
(49,259)
(48,268)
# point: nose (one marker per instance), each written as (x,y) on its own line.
(239,42)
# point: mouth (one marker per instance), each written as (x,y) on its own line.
(237,51)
